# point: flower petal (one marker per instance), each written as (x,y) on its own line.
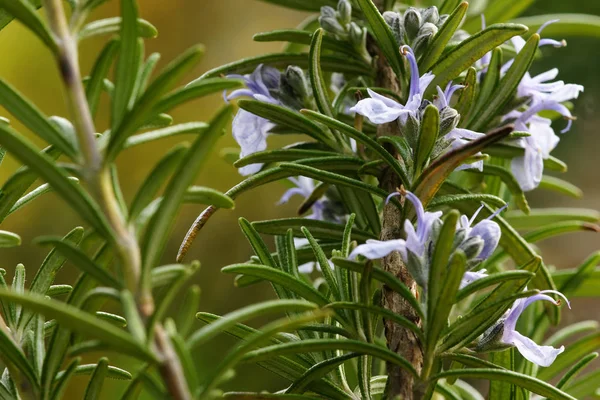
(489,232)
(377,111)
(374,249)
(470,277)
(543,356)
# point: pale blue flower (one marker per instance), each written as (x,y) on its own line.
(470,277)
(528,169)
(486,230)
(543,356)
(380,109)
(416,239)
(250,131)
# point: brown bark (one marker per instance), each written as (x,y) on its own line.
(400,340)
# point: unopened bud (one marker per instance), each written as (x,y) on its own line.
(328,12)
(344,9)
(394,21)
(331,25)
(472,247)
(294,87)
(357,35)
(431,15)
(449,119)
(412,22)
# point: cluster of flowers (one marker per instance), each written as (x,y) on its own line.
(478,241)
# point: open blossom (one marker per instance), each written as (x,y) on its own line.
(540,355)
(380,109)
(528,168)
(250,131)
(415,239)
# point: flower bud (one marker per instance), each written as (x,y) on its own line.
(449,119)
(442,19)
(294,87)
(426,33)
(411,129)
(328,12)
(394,21)
(331,25)
(431,15)
(472,247)
(358,36)
(412,22)
(491,339)
(344,9)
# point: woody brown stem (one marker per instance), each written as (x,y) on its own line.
(400,384)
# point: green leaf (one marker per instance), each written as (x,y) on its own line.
(544,216)
(125,70)
(312,345)
(9,239)
(444,35)
(94,387)
(243,314)
(319,229)
(26,13)
(362,139)
(451,199)
(112,372)
(37,192)
(332,178)
(518,196)
(384,36)
(565,333)
(34,119)
(15,360)
(560,186)
(447,270)
(324,264)
(434,176)
(579,281)
(384,277)
(179,129)
(490,280)
(66,375)
(280,278)
(316,75)
(304,37)
(94,86)
(527,382)
(149,105)
(73,318)
(205,195)
(45,275)
(496,12)
(466,100)
(59,290)
(81,260)
(429,132)
(470,50)
(490,81)
(329,63)
(507,86)
(278,155)
(567,24)
(571,373)
(286,117)
(318,371)
(486,312)
(113,25)
(161,224)
(303,5)
(23,150)
(155,180)
(585,387)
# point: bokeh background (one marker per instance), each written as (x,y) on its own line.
(226,27)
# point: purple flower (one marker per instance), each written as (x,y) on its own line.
(250,131)
(304,187)
(528,169)
(540,355)
(486,230)
(380,109)
(415,241)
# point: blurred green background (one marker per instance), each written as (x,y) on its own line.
(226,27)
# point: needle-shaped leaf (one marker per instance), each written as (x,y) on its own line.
(436,173)
(278,155)
(304,37)
(560,186)
(442,37)
(94,387)
(428,135)
(452,199)
(80,260)
(544,216)
(303,5)
(94,85)
(470,50)
(329,63)
(316,74)
(507,87)
(22,149)
(280,306)
(26,13)
(525,381)
(16,361)
(161,224)
(143,109)
(491,280)
(9,239)
(500,12)
(319,229)
(179,129)
(565,25)
(113,25)
(383,35)
(34,119)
